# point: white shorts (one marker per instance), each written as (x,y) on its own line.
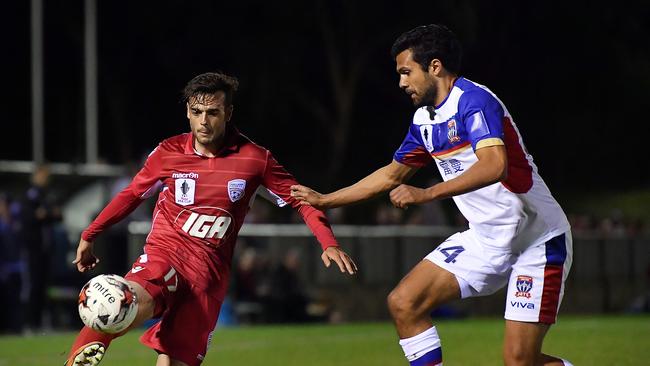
(535,277)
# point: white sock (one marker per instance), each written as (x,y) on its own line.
(417,346)
(566,363)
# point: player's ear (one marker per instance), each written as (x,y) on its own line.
(229,110)
(187,107)
(435,67)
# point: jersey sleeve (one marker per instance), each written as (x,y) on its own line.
(482,115)
(412,151)
(144,185)
(278,183)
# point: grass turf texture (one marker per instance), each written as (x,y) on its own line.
(609,340)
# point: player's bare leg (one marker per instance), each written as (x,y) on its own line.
(523,345)
(146,305)
(426,287)
(165,360)
(423,289)
(90,345)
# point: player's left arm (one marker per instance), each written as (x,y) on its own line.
(490,168)
(278,182)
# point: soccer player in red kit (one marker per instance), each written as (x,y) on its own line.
(206,179)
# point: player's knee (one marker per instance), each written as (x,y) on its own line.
(146,304)
(518,355)
(400,304)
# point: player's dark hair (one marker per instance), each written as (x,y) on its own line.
(210,83)
(428,42)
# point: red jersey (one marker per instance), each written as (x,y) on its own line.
(203,203)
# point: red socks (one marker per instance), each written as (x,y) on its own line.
(87,336)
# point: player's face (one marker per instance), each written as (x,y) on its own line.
(208,114)
(417,83)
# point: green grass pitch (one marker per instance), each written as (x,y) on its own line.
(602,340)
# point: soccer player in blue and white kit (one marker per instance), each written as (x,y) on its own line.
(518,234)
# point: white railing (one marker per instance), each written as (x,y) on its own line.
(341,231)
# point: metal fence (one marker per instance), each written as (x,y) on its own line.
(608,274)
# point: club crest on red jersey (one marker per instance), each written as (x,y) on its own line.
(236,189)
(185,189)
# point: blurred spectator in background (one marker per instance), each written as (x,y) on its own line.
(388,214)
(336,215)
(260,211)
(247,289)
(641,303)
(614,225)
(39,212)
(429,213)
(287,298)
(11,269)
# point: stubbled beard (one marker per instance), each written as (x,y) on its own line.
(428,98)
(204,140)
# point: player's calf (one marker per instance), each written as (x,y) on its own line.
(89,348)
(423,349)
(424,288)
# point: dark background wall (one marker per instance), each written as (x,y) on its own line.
(318,86)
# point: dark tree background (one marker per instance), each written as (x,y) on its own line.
(318,86)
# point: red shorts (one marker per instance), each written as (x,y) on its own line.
(188,316)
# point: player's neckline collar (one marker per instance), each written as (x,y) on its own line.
(230,143)
(449,93)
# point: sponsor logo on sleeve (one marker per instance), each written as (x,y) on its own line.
(427,138)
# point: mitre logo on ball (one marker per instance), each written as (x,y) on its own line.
(107,303)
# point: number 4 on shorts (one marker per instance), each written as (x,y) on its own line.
(451,253)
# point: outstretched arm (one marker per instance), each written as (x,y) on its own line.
(381,180)
(278,181)
(119,207)
(491,167)
(145,184)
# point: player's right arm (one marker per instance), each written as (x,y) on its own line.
(143,185)
(381,180)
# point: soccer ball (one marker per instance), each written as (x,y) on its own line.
(107,304)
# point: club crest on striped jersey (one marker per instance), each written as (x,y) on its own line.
(426,131)
(236,189)
(185,189)
(452,131)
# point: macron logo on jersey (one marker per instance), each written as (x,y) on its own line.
(185,175)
